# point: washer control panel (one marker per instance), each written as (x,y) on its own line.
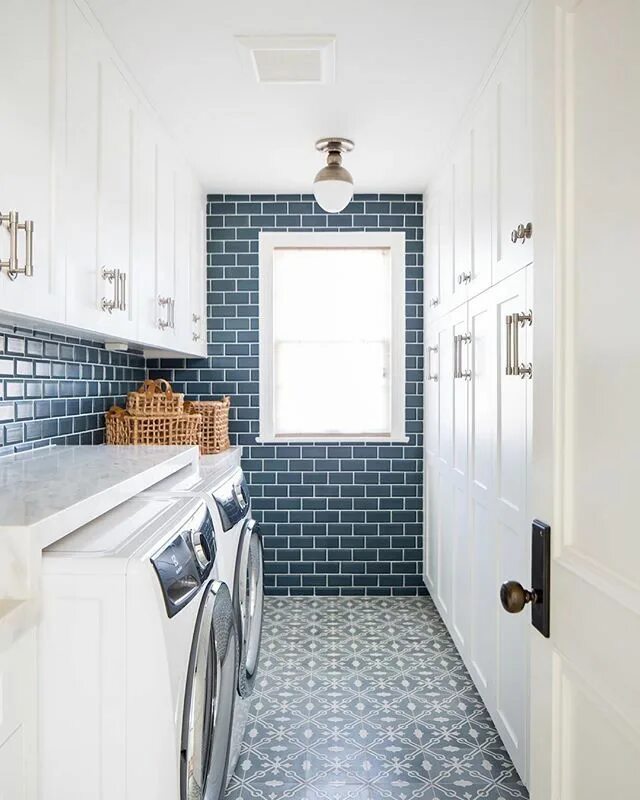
(184,563)
(232,499)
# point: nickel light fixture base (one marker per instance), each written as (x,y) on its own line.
(333,185)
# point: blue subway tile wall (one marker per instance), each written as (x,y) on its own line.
(55,389)
(337,518)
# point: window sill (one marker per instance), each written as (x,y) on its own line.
(332,439)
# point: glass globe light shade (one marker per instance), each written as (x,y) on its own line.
(333,188)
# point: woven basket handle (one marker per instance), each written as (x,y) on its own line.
(116,411)
(163,385)
(226,401)
(148,387)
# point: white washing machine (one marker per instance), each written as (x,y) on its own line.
(240,556)
(138,658)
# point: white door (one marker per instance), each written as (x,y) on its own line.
(433,360)
(28,45)
(585,686)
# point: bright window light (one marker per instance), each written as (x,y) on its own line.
(332,336)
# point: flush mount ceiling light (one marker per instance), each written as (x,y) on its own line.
(333,185)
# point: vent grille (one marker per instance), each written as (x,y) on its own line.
(290,59)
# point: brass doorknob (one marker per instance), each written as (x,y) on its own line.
(514,597)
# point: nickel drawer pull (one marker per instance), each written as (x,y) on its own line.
(122,301)
(431,376)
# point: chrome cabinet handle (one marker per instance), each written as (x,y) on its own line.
(512,323)
(170,321)
(521,233)
(464,277)
(196,337)
(165,302)
(122,301)
(195,318)
(112,276)
(508,322)
(458,372)
(435,301)
(12,266)
(431,376)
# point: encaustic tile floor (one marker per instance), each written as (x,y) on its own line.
(367,699)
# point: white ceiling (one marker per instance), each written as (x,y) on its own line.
(405,72)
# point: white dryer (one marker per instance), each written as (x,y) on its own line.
(138,658)
(240,559)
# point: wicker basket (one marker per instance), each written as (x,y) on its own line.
(125,428)
(215,423)
(155,399)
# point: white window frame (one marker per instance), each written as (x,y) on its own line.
(395,242)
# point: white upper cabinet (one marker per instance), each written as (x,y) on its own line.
(510,88)
(482,157)
(108,200)
(27,48)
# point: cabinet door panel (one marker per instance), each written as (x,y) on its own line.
(99,118)
(462,270)
(28,45)
(432,257)
(511,88)
(165,227)
(482,158)
(446,249)
(198,271)
(146,290)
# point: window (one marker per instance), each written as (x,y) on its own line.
(332,336)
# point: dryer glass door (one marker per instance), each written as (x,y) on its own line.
(249,603)
(198,705)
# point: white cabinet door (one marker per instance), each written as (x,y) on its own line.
(98,185)
(165,231)
(446,241)
(511,524)
(432,256)
(482,642)
(18,719)
(198,272)
(145,282)
(435,346)
(28,45)
(462,227)
(482,159)
(458,533)
(513,195)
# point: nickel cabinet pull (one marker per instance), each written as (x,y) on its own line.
(521,233)
(513,322)
(12,266)
(111,276)
(122,302)
(431,376)
(458,341)
(435,301)
(464,277)
(169,304)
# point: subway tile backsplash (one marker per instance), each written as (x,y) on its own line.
(337,519)
(55,389)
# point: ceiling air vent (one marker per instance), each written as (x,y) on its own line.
(291,59)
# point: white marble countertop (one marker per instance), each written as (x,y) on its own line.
(55,490)
(48,493)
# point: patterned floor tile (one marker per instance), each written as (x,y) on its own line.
(367,699)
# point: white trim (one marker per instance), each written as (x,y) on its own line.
(395,241)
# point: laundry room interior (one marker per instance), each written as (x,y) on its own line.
(318,379)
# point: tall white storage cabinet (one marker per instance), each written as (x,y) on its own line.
(477,401)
